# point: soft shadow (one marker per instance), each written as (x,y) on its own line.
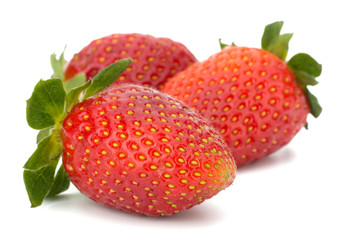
(76,203)
(279,158)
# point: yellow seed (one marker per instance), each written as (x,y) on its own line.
(167,175)
(131,164)
(182,149)
(168,164)
(153,167)
(193,162)
(148,142)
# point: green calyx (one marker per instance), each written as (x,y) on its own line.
(304,67)
(46,109)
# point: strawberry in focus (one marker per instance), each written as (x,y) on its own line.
(155,60)
(254,98)
(139,150)
(126,146)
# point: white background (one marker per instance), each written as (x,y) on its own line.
(295,193)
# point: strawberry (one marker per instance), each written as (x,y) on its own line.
(126,146)
(155,60)
(254,98)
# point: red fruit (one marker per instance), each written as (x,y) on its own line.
(142,151)
(155,60)
(256,100)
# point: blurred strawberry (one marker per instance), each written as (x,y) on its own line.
(254,98)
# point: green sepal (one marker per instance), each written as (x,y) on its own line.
(275,43)
(44,133)
(280,49)
(107,76)
(39,170)
(47,150)
(223,45)
(75,82)
(306,69)
(271,34)
(306,63)
(60,184)
(46,106)
(38,182)
(73,97)
(315,108)
(304,79)
(57,65)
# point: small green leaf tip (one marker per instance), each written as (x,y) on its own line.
(58,65)
(223,45)
(275,43)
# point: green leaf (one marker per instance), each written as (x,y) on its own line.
(46,105)
(58,66)
(304,79)
(271,35)
(280,48)
(73,96)
(75,82)
(60,184)
(44,133)
(315,108)
(222,45)
(107,76)
(275,43)
(304,62)
(47,150)
(38,182)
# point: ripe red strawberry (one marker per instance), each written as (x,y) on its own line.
(255,99)
(155,60)
(128,147)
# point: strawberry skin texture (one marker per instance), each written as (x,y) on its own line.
(155,60)
(139,150)
(251,97)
